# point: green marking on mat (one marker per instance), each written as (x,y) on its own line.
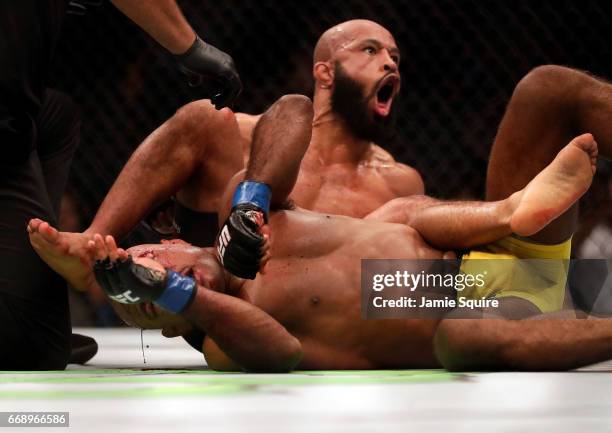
(139,392)
(163,383)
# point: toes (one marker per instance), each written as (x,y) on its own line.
(111,248)
(33,225)
(50,234)
(91,249)
(100,248)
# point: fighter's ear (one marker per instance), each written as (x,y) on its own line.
(323,74)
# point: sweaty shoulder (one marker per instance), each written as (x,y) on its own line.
(401,178)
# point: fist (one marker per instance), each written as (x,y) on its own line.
(240,244)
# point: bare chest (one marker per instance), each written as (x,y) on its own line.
(342,191)
(297,290)
(320,303)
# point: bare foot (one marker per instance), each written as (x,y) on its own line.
(66,253)
(556,188)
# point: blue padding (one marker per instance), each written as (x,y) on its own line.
(179,292)
(253,192)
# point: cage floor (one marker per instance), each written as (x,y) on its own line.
(174,391)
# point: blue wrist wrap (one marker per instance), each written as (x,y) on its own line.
(253,192)
(179,292)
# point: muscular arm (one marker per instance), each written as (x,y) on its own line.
(249,336)
(280,140)
(550,342)
(449,224)
(162,19)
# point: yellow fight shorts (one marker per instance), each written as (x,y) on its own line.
(516,267)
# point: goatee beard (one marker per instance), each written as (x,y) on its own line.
(349,102)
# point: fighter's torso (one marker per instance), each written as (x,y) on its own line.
(352,189)
(347,189)
(312,287)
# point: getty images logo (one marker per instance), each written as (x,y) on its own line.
(125,298)
(224,240)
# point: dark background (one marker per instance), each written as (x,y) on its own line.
(461,61)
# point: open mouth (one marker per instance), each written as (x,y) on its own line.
(384,95)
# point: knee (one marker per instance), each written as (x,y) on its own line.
(200,120)
(547,83)
(546,76)
(198,116)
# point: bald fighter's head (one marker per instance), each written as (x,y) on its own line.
(356,68)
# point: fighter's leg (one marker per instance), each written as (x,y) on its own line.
(64,252)
(557,187)
(195,153)
(454,225)
(549,107)
(556,341)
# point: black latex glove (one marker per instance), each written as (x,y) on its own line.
(203,61)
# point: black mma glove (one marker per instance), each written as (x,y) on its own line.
(202,61)
(129,283)
(239,242)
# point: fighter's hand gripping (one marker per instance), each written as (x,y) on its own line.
(203,61)
(128,282)
(242,246)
